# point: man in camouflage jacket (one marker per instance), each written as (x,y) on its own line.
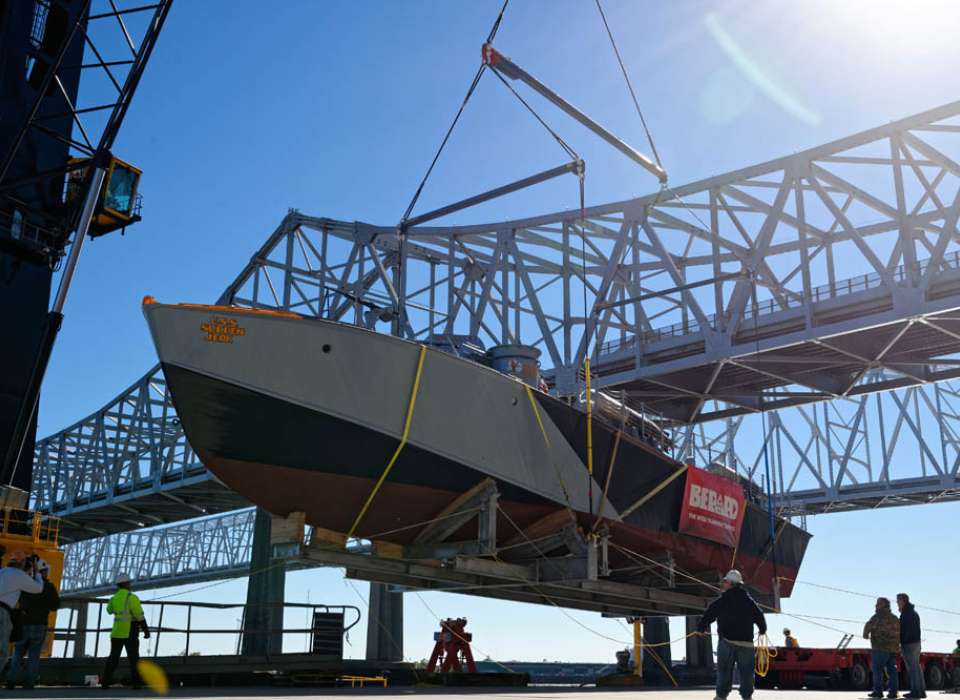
(883,631)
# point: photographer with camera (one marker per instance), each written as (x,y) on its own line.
(35,609)
(16,578)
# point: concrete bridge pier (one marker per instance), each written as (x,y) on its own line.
(384,624)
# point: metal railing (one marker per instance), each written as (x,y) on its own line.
(823,292)
(30,526)
(72,633)
(21,230)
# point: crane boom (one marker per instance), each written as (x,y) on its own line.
(504,66)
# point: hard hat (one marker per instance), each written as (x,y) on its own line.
(123,578)
(733,576)
(43,565)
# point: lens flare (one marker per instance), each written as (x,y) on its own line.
(153,677)
(753,72)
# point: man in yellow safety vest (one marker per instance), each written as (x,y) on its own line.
(128,620)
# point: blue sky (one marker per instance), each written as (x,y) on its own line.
(335,108)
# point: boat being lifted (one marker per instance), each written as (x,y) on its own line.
(442,465)
(423,467)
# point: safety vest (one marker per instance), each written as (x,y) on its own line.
(125,608)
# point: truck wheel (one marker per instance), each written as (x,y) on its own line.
(859,676)
(955,677)
(934,676)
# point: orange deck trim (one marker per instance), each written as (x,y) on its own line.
(148,300)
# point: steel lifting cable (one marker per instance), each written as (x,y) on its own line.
(540,592)
(765,649)
(626,78)
(862,595)
(563,144)
(550,600)
(443,143)
(635,555)
(563,610)
(586,341)
(376,618)
(763,423)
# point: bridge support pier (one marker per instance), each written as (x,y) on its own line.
(656,630)
(263,620)
(699,649)
(384,624)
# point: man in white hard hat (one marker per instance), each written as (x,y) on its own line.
(735,612)
(128,620)
(35,609)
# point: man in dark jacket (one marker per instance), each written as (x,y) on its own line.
(36,609)
(735,613)
(910,646)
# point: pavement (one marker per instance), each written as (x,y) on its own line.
(533,693)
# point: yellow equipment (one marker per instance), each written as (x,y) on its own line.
(118,205)
(22,533)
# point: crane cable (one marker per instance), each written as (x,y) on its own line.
(626,78)
(443,143)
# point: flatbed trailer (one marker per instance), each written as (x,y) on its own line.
(800,667)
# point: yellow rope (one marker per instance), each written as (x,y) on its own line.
(546,440)
(765,652)
(648,645)
(403,441)
(656,657)
(660,487)
(536,412)
(606,485)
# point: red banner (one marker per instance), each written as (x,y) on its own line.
(713,507)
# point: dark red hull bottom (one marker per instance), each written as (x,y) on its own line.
(400,511)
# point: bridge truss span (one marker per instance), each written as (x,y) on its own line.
(772,286)
(127,466)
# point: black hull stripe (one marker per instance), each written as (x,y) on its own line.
(236,423)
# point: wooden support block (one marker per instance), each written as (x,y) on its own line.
(287,529)
(321,535)
(387,550)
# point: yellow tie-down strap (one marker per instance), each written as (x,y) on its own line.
(403,441)
(655,490)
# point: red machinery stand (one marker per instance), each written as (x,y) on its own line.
(451,650)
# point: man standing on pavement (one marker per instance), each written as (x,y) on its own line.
(36,609)
(15,578)
(910,646)
(735,612)
(128,620)
(883,631)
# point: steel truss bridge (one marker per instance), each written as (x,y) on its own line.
(814,300)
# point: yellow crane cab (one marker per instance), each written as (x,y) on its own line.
(119,203)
